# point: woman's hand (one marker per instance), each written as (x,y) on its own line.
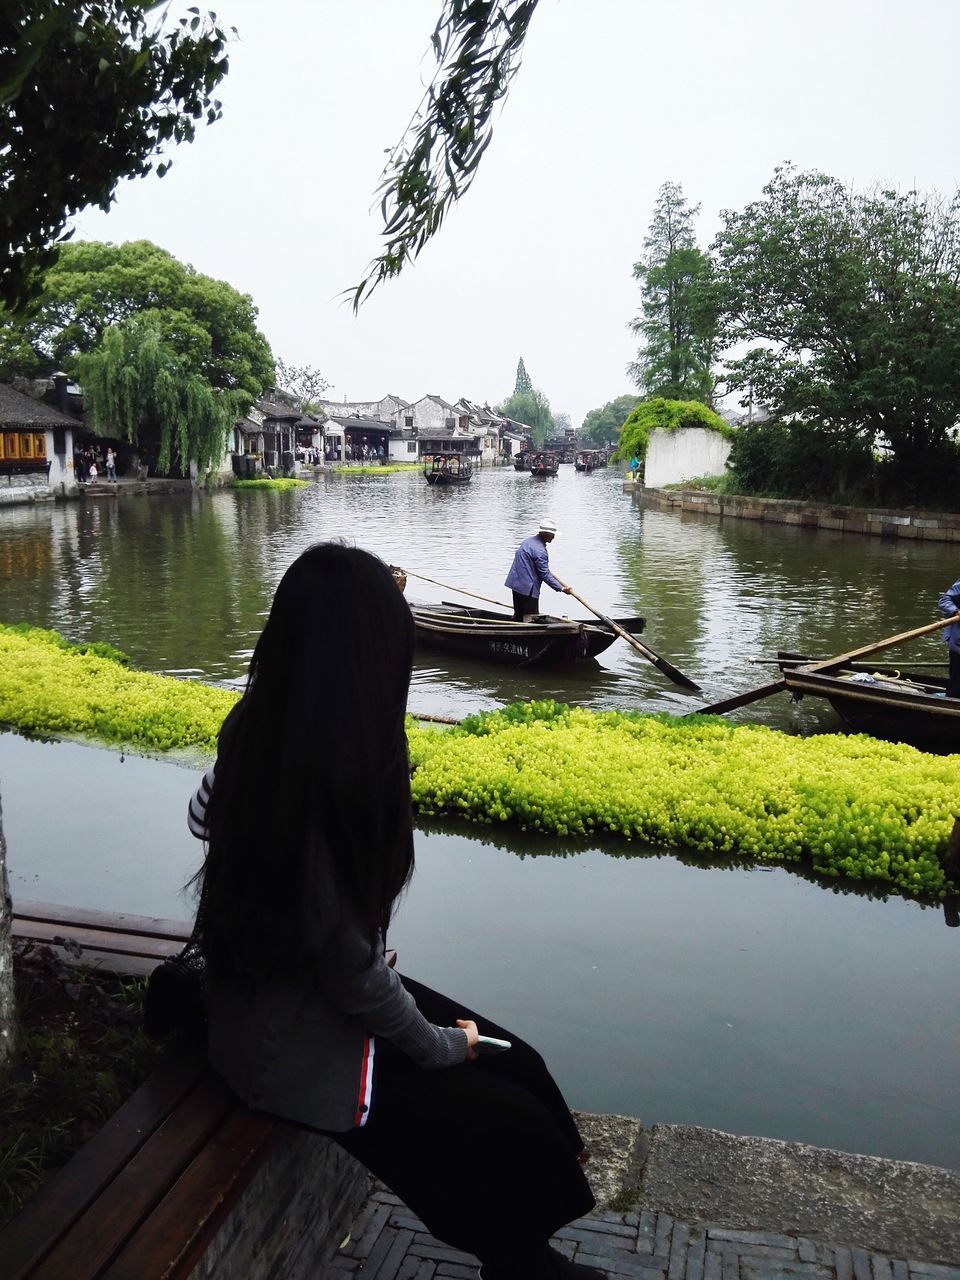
(473,1036)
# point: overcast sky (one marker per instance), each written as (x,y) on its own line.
(614,97)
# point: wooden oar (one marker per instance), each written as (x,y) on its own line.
(823,664)
(668,669)
(459,590)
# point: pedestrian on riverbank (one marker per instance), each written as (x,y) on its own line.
(307,1021)
(949,605)
(531,568)
(111,465)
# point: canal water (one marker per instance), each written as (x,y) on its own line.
(752,1000)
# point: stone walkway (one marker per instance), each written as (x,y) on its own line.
(388,1243)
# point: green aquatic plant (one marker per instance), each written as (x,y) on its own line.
(847,806)
(270,482)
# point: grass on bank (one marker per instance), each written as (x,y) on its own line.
(375,469)
(849,806)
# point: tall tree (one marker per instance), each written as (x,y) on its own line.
(532,408)
(677,321)
(92,92)
(601,426)
(136,385)
(523,382)
(853,300)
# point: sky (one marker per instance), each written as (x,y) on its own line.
(614,98)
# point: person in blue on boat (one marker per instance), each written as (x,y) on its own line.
(531,568)
(949,606)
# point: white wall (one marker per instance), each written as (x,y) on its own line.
(674,456)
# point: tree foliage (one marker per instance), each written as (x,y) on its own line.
(667,415)
(477,44)
(853,302)
(678,320)
(92,92)
(523,382)
(532,408)
(210,326)
(136,386)
(302,381)
(602,425)
(803,460)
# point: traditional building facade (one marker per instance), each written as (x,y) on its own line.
(36,447)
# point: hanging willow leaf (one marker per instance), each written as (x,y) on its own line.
(478,45)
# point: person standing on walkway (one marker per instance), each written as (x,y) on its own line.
(949,606)
(531,568)
(111,465)
(307,1021)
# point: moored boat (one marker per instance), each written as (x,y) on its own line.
(544,464)
(885,701)
(446,469)
(496,637)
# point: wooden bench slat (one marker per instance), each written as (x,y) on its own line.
(95,1238)
(116,922)
(155,949)
(174,1238)
(35,1231)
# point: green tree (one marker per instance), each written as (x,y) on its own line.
(600,426)
(667,415)
(136,385)
(305,383)
(853,300)
(677,322)
(532,408)
(523,382)
(92,92)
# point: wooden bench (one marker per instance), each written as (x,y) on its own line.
(184,1179)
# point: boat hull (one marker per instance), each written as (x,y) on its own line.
(443,478)
(489,637)
(897,706)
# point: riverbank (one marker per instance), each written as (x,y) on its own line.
(694,1204)
(927,526)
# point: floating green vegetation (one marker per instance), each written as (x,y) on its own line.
(271,482)
(848,806)
(845,806)
(49,686)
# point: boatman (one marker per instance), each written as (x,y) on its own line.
(530,568)
(949,606)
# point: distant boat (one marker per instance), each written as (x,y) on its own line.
(496,637)
(544,464)
(446,468)
(587,460)
(522,461)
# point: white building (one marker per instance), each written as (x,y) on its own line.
(36,446)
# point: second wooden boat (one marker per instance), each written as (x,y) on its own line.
(447,469)
(544,464)
(495,637)
(885,701)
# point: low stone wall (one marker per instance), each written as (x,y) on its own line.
(291,1219)
(29,487)
(930,526)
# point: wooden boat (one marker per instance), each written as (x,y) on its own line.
(544,464)
(496,637)
(522,462)
(587,460)
(446,468)
(885,701)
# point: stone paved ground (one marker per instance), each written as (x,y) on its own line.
(388,1243)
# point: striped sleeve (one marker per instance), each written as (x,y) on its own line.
(197,809)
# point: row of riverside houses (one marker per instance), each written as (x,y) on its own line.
(405,431)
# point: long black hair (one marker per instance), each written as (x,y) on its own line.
(312,783)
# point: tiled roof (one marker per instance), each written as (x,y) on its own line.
(19,410)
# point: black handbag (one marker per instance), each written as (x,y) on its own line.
(175,1003)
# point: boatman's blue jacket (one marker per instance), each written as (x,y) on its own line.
(530,567)
(948,604)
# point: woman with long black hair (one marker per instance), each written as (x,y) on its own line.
(308,820)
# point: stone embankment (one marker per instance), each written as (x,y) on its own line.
(930,526)
(697,1204)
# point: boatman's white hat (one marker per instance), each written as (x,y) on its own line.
(548,526)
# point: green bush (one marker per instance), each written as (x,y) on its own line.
(667,415)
